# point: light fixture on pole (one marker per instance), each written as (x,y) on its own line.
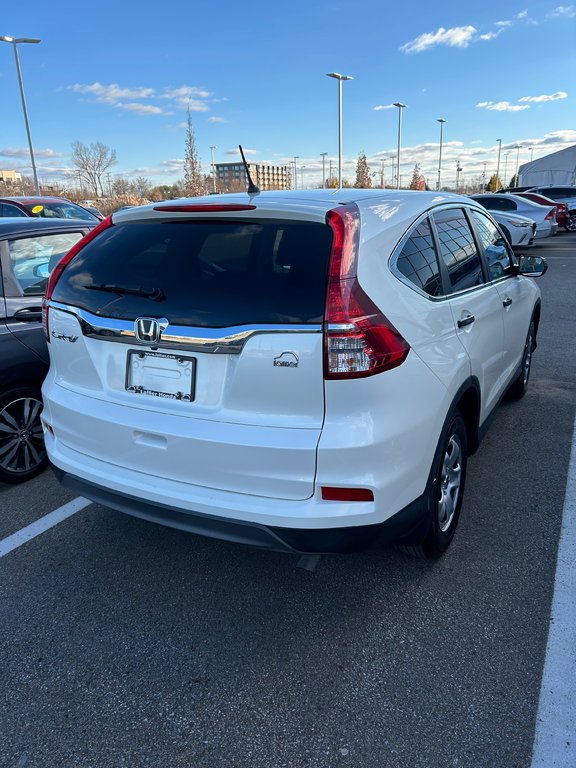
(15,41)
(517,148)
(498,166)
(458,171)
(323,156)
(296,157)
(212,148)
(339,77)
(441,121)
(400,108)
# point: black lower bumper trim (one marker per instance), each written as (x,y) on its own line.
(405,526)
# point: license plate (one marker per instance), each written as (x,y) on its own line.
(161,375)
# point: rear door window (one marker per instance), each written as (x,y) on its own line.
(204,273)
(458,250)
(31,259)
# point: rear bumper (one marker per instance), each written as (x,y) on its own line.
(408,526)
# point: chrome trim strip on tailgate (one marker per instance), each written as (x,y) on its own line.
(184,337)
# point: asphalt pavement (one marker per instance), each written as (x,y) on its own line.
(125,644)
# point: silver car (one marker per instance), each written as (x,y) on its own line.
(543,215)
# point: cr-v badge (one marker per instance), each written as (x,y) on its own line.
(286,360)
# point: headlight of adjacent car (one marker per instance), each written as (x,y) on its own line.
(517,223)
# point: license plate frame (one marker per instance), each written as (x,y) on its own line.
(176,368)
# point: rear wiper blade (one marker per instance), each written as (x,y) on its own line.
(155,294)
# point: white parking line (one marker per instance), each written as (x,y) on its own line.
(555,739)
(41,525)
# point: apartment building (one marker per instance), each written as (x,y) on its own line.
(231,177)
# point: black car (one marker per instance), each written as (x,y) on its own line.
(29,248)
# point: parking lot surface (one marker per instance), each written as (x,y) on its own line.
(129,644)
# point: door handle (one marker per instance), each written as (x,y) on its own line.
(507,301)
(466,321)
(29,313)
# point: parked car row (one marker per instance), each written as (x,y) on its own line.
(301,371)
(563,196)
(47,208)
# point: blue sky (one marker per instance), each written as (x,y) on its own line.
(124,73)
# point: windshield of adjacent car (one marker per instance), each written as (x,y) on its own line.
(59,209)
(33,258)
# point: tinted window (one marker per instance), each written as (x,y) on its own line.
(418,262)
(495,250)
(497,203)
(203,273)
(60,210)
(458,249)
(32,258)
(10,210)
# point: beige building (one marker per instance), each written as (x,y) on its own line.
(11,178)
(231,177)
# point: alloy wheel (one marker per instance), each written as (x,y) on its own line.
(21,439)
(450,481)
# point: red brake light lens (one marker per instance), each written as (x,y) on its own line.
(359,340)
(209,208)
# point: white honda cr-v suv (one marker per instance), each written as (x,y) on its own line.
(302,371)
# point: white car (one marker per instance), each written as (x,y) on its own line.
(304,371)
(519,230)
(543,215)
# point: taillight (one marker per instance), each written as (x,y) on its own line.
(551,214)
(61,266)
(562,207)
(359,340)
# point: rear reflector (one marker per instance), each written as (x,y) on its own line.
(203,208)
(347,494)
(359,340)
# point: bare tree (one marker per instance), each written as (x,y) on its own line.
(121,186)
(92,162)
(141,187)
(363,180)
(193,176)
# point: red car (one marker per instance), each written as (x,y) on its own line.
(45,208)
(562,216)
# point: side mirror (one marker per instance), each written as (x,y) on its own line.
(532,266)
(41,270)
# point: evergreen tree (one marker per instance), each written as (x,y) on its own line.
(193,176)
(417,179)
(494,184)
(363,180)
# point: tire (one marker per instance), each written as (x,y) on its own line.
(22,451)
(571,225)
(445,491)
(519,386)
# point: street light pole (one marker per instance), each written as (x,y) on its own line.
(484,178)
(15,41)
(458,170)
(441,121)
(505,165)
(517,161)
(302,175)
(323,156)
(498,166)
(400,108)
(296,157)
(212,148)
(339,77)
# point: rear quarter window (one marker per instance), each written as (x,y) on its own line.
(204,273)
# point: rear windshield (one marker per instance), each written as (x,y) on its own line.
(203,273)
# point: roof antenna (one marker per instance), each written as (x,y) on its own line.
(252,188)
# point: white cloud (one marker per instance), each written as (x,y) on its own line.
(246,151)
(563,10)
(185,92)
(25,152)
(217,120)
(383,106)
(502,106)
(491,35)
(455,37)
(110,94)
(504,23)
(544,97)
(141,109)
